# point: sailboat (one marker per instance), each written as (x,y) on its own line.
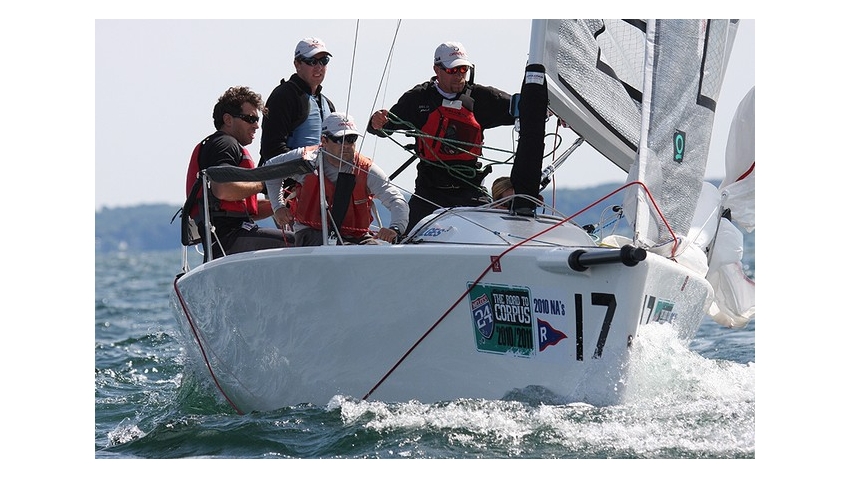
(492,303)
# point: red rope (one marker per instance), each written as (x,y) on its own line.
(201,347)
(490,267)
(748,172)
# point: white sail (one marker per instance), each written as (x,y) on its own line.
(643,93)
(684,70)
(633,89)
(594,74)
(734,292)
(739,187)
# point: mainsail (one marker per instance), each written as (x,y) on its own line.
(595,78)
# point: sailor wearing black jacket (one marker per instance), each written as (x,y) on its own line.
(450,115)
(297,107)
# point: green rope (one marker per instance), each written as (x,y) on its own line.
(458,171)
(461,172)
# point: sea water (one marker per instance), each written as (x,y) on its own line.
(683,402)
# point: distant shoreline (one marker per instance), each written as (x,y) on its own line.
(148,227)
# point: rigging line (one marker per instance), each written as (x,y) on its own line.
(385,73)
(387,68)
(389,181)
(381,84)
(355,167)
(462,172)
(491,206)
(675,239)
(459,171)
(469,289)
(351,71)
(412,131)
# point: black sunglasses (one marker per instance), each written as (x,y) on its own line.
(250,119)
(349,138)
(312,61)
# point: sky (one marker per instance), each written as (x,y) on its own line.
(156,82)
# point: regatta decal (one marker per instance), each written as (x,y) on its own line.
(548,335)
(657,310)
(502,320)
(482,313)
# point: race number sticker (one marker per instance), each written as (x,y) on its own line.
(657,310)
(502,319)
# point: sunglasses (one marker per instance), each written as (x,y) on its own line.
(314,61)
(349,138)
(250,119)
(458,69)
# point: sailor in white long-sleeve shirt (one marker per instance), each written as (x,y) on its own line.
(341,164)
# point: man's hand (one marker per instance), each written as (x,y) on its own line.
(379,119)
(283,217)
(390,235)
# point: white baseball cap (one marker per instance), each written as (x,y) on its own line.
(451,54)
(339,124)
(310,47)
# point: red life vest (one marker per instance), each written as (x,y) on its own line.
(308,208)
(453,120)
(245,206)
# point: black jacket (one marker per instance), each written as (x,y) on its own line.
(490,106)
(288,106)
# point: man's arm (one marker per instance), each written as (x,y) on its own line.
(492,107)
(406,110)
(264,209)
(236,191)
(390,197)
(274,186)
(223,149)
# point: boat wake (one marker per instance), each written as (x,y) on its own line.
(677,404)
(663,368)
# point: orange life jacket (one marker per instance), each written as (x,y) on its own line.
(308,208)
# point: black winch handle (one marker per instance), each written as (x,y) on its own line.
(629,255)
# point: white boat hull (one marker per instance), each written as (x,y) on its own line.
(278,328)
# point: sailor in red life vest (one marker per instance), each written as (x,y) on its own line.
(233,206)
(447,107)
(349,214)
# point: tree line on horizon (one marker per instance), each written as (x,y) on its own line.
(150,228)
